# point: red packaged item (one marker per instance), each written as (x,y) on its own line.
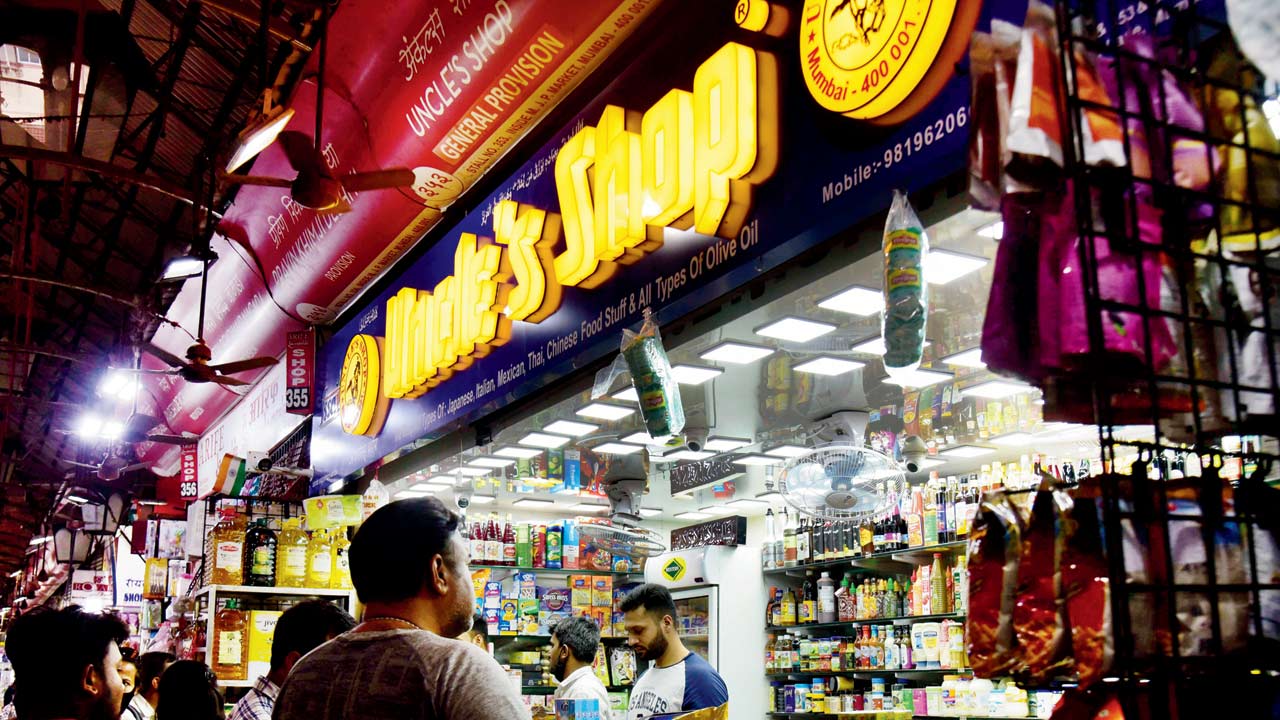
(538,539)
(1087,587)
(1039,616)
(995,543)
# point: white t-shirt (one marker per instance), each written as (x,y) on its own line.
(582,684)
(691,684)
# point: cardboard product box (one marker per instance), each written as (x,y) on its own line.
(580,587)
(578,709)
(491,616)
(509,618)
(622,666)
(602,619)
(492,595)
(602,592)
(527,585)
(262,629)
(619,624)
(619,702)
(556,600)
(548,620)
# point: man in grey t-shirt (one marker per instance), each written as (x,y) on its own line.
(409,568)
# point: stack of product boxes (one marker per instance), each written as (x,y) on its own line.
(520,606)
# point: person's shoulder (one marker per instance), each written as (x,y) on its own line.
(696,668)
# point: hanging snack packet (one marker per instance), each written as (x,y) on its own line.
(1039,616)
(651,375)
(985,166)
(995,542)
(1102,137)
(1035,116)
(905,296)
(1087,587)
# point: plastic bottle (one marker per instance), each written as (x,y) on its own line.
(340,574)
(228,549)
(845,602)
(788,539)
(260,554)
(524,550)
(555,546)
(475,537)
(509,545)
(230,642)
(492,542)
(291,555)
(803,536)
(826,599)
(808,608)
(374,497)
(766,552)
(930,512)
(788,609)
(319,559)
(938,576)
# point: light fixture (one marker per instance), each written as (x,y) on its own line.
(756,460)
(787,451)
(413,492)
(927,463)
(971,358)
(520,453)
(76,498)
(257,136)
(643,438)
(966,451)
(39,540)
(572,428)
(544,440)
(691,515)
(995,389)
(873,346)
(490,462)
(441,481)
(482,499)
(532,502)
(716,510)
(118,385)
(694,374)
(589,507)
(605,411)
(103,517)
(111,430)
(995,230)
(691,455)
(715,443)
(748,503)
(917,378)
(856,300)
(649,512)
(944,266)
(182,268)
(795,329)
(628,394)
(828,366)
(1013,439)
(736,353)
(89,425)
(617,448)
(473,472)
(770,496)
(71,545)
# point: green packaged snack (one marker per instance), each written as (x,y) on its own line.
(651,375)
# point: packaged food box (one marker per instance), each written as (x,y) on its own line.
(491,616)
(539,542)
(479,581)
(509,618)
(602,591)
(618,703)
(556,599)
(492,595)
(619,625)
(527,585)
(262,628)
(578,709)
(600,665)
(570,549)
(581,588)
(622,666)
(601,618)
(547,621)
(525,657)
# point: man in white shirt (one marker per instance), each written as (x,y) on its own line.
(147,686)
(573,649)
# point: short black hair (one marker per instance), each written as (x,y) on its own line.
(480,626)
(654,599)
(305,627)
(189,691)
(49,650)
(580,635)
(392,551)
(150,667)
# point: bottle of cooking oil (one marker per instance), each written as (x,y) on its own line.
(230,643)
(228,549)
(340,576)
(291,555)
(319,559)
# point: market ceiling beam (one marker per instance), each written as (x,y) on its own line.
(89,165)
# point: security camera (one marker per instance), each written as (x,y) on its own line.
(462,496)
(259,461)
(695,438)
(914,452)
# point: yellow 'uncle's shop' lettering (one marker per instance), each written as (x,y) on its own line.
(684,163)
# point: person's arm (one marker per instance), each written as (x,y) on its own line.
(474,687)
(703,687)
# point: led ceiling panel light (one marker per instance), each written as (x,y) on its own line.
(995,230)
(533,502)
(642,438)
(690,455)
(716,510)
(694,374)
(754,460)
(968,358)
(748,503)
(691,515)
(650,512)
(736,353)
(511,451)
(918,378)
(716,443)
(944,266)
(966,451)
(794,329)
(572,428)
(589,507)
(828,366)
(787,451)
(617,448)
(490,462)
(1013,439)
(544,440)
(995,389)
(861,301)
(482,499)
(605,411)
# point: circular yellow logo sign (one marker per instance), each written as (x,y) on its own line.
(361,406)
(881,60)
(674,569)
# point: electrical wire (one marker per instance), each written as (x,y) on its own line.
(256,265)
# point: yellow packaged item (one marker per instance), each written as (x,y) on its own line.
(262,629)
(331,511)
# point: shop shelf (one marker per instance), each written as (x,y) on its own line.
(236,683)
(867,673)
(907,620)
(561,571)
(550,689)
(876,561)
(547,638)
(273,591)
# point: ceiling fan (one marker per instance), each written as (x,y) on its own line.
(315,185)
(112,468)
(137,430)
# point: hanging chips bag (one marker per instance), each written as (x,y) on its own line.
(1035,117)
(1039,616)
(902,328)
(651,375)
(985,166)
(995,542)
(1086,586)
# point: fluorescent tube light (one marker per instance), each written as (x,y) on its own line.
(256,137)
(649,512)
(181,268)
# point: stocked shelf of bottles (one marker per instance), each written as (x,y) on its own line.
(566,571)
(273,590)
(910,555)
(867,673)
(900,620)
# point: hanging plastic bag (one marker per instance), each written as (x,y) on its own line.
(985,165)
(652,378)
(1039,616)
(1035,115)
(995,550)
(1010,329)
(905,294)
(1086,586)
(1102,136)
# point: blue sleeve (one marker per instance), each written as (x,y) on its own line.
(703,686)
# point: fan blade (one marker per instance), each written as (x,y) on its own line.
(261,180)
(173,439)
(144,371)
(342,207)
(301,152)
(167,357)
(242,365)
(377,180)
(140,423)
(131,468)
(88,466)
(228,380)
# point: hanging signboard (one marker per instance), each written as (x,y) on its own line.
(300,368)
(729,531)
(90,588)
(693,475)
